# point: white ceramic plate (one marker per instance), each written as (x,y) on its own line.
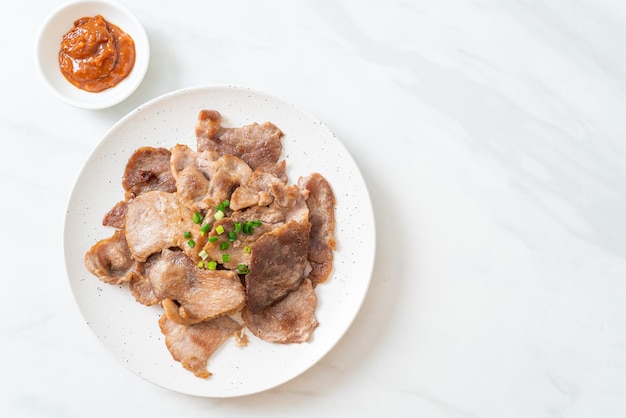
(130,330)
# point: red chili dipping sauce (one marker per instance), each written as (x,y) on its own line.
(96,55)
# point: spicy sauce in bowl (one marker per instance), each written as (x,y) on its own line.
(93,54)
(96,55)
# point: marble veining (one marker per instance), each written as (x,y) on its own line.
(491,137)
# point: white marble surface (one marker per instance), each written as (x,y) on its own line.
(492,136)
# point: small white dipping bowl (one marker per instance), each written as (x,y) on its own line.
(49,43)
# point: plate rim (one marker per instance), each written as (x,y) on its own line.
(212,88)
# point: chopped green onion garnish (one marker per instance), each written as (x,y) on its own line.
(191,243)
(213,238)
(237,227)
(248,227)
(224,245)
(205,228)
(200,264)
(243,269)
(187,234)
(247,249)
(219,229)
(223,205)
(203,254)
(218,215)
(232,235)
(211,265)
(225,258)
(197,218)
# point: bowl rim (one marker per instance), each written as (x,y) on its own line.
(114,95)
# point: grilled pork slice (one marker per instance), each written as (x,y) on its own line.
(183,157)
(239,247)
(192,187)
(157,220)
(321,203)
(268,196)
(205,179)
(193,345)
(200,294)
(140,286)
(141,289)
(110,260)
(148,169)
(256,191)
(277,264)
(292,202)
(290,320)
(219,245)
(116,216)
(256,144)
(279,170)
(272,215)
(230,172)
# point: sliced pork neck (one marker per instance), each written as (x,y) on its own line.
(216,231)
(290,320)
(256,144)
(200,293)
(321,204)
(116,216)
(148,169)
(193,345)
(277,264)
(111,260)
(157,220)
